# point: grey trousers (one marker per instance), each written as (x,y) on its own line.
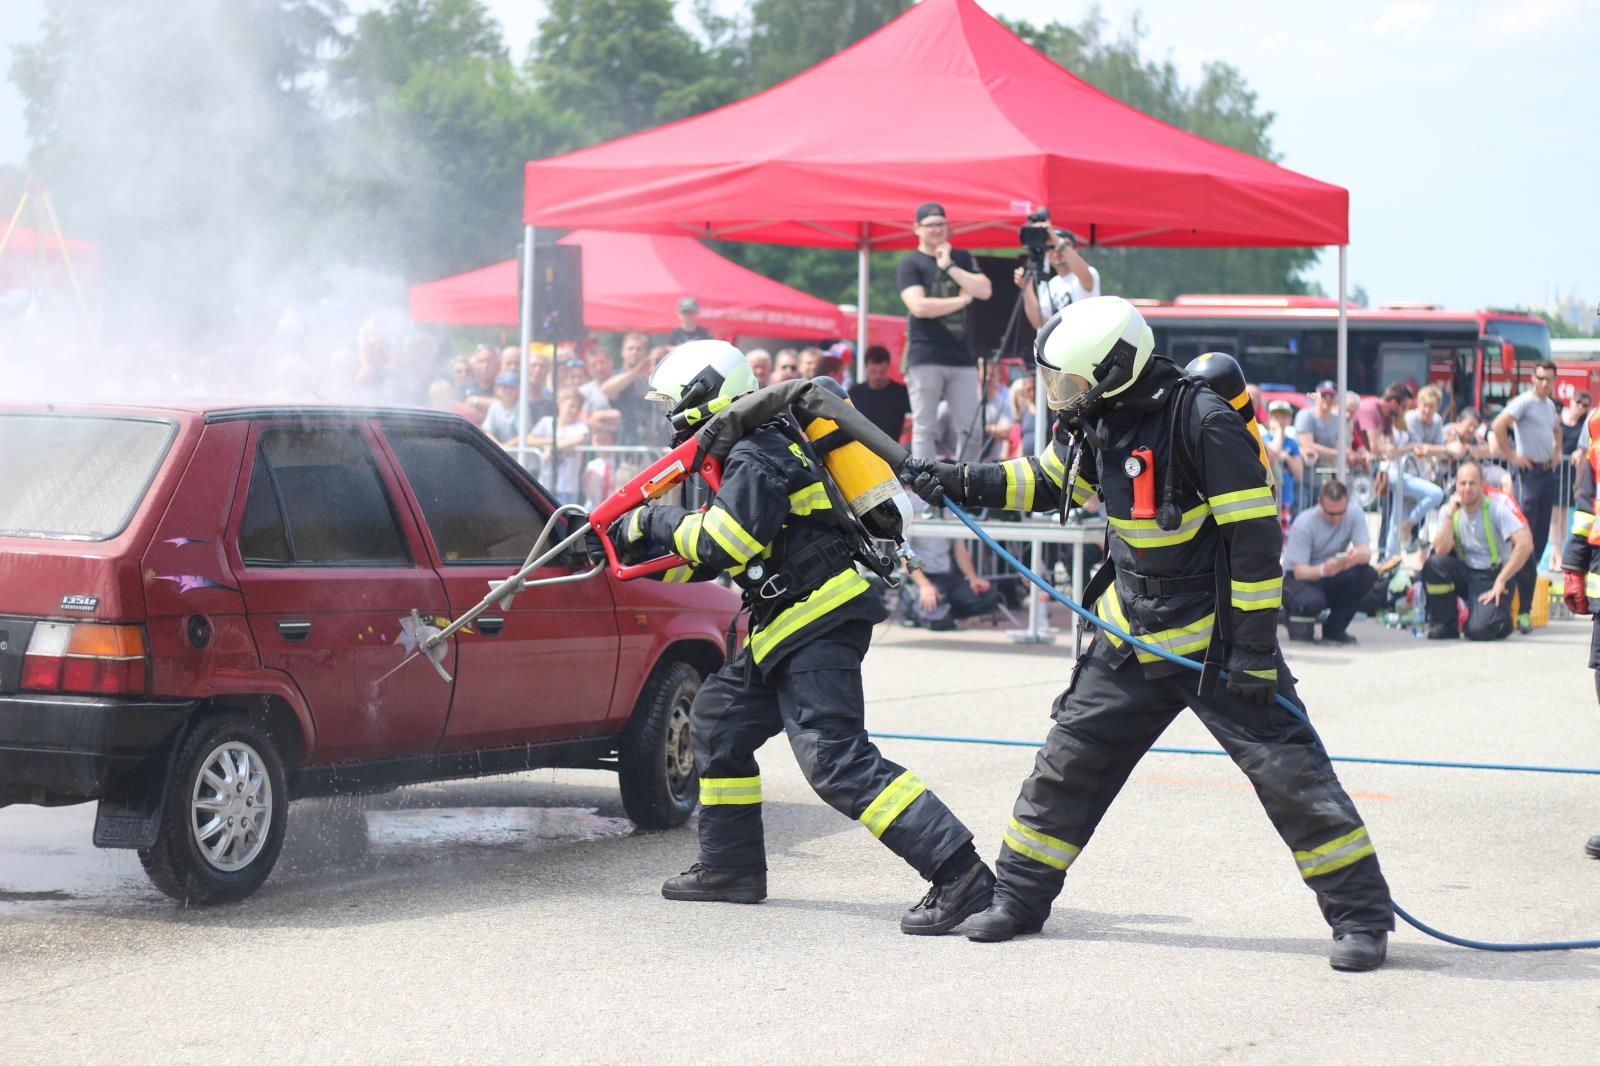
(957,386)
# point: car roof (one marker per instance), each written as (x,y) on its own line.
(233,411)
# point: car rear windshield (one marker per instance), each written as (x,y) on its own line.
(77,477)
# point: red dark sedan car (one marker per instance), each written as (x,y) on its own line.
(204,613)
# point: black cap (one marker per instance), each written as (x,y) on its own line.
(931,208)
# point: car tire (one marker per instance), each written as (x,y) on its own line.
(227,806)
(655,767)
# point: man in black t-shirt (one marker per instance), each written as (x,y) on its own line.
(885,402)
(689,327)
(938,283)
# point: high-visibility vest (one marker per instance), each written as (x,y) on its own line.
(1489,533)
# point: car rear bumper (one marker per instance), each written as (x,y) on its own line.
(60,749)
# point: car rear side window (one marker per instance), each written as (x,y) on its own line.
(476,512)
(76,477)
(316,498)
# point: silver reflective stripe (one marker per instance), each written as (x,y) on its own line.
(1252,503)
(1257,595)
(1033,848)
(1145,536)
(1312,862)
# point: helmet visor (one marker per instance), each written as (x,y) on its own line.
(1060,388)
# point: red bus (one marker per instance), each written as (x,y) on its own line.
(1289,343)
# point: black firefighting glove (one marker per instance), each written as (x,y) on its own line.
(630,534)
(936,479)
(1253,674)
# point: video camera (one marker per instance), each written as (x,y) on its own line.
(1034,236)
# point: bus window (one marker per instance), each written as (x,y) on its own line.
(1184,346)
(1406,362)
(1273,359)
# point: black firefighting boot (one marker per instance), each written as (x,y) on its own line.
(701,883)
(1592,848)
(1359,951)
(997,924)
(950,902)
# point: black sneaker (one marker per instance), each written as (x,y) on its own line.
(1592,848)
(1443,633)
(997,924)
(1337,638)
(949,904)
(703,884)
(1356,952)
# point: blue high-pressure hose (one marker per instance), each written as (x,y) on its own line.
(1284,701)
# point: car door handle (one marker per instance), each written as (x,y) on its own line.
(490,627)
(294,632)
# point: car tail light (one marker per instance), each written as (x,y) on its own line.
(82,657)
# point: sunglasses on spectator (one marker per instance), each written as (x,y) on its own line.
(1331,513)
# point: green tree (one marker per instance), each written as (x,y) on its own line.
(1221,108)
(786,38)
(437,126)
(615,67)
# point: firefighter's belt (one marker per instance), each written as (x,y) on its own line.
(1165,587)
(798,577)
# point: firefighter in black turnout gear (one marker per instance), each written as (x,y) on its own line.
(1194,546)
(771,527)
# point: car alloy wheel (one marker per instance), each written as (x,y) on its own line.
(230,806)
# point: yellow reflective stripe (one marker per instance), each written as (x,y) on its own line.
(896,796)
(729,791)
(1582,523)
(1019,484)
(686,538)
(635,528)
(1179,640)
(813,497)
(1257,595)
(1242,505)
(1110,609)
(678,575)
(1053,464)
(730,536)
(835,592)
(1081,491)
(1265,675)
(1144,533)
(1591,586)
(1040,847)
(1336,854)
(1434,589)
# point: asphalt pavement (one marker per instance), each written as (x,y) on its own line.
(518,919)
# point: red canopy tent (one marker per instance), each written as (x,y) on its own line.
(30,259)
(943,103)
(634,281)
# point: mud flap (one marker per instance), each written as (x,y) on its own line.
(132,819)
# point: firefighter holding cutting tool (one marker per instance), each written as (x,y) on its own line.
(1193,569)
(771,526)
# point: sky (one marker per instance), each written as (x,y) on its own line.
(1466,131)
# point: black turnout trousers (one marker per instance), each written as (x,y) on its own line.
(1105,722)
(814,696)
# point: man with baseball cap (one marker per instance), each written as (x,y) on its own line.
(938,283)
(1317,427)
(689,327)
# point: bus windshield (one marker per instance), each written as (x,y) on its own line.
(1531,339)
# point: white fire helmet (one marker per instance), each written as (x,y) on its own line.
(697,372)
(1098,345)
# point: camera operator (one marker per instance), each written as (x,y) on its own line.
(1072,279)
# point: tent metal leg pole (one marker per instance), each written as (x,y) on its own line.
(527,341)
(863,278)
(1344,362)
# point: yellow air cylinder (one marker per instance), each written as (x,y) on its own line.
(863,478)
